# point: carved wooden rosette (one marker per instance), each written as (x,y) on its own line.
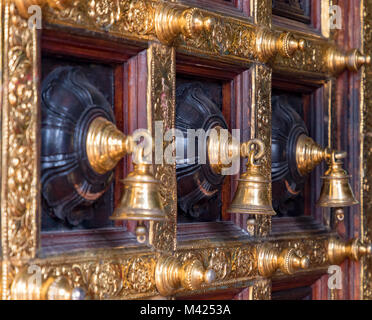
(161,107)
(20,143)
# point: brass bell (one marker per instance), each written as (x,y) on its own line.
(251,196)
(336,191)
(141,197)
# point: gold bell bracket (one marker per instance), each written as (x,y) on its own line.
(171,275)
(337,60)
(269,43)
(26,287)
(354,249)
(171,22)
(271,259)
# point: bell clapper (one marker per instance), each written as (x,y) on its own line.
(339,214)
(141,232)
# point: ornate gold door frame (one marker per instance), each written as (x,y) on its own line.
(127,273)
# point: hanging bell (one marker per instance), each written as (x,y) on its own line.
(141,198)
(336,191)
(251,196)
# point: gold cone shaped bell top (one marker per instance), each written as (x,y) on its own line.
(336,190)
(252,196)
(141,198)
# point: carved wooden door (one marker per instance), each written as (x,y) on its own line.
(80,77)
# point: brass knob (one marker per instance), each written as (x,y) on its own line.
(269,43)
(27,286)
(309,154)
(171,275)
(106,145)
(288,261)
(354,249)
(171,21)
(338,61)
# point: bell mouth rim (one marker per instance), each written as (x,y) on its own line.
(141,180)
(255,211)
(254,180)
(339,177)
(335,204)
(134,216)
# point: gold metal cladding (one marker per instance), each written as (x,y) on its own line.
(171,275)
(336,190)
(268,44)
(26,286)
(339,250)
(106,145)
(270,259)
(141,197)
(352,60)
(171,21)
(251,196)
(23,5)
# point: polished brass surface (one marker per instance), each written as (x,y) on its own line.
(30,286)
(354,249)
(352,60)
(336,190)
(309,154)
(106,145)
(170,275)
(141,197)
(171,21)
(269,259)
(251,196)
(268,44)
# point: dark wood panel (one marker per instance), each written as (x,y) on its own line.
(128,90)
(299,10)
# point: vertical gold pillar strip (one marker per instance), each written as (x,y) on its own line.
(20,144)
(261,128)
(261,106)
(261,10)
(161,107)
(366,149)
